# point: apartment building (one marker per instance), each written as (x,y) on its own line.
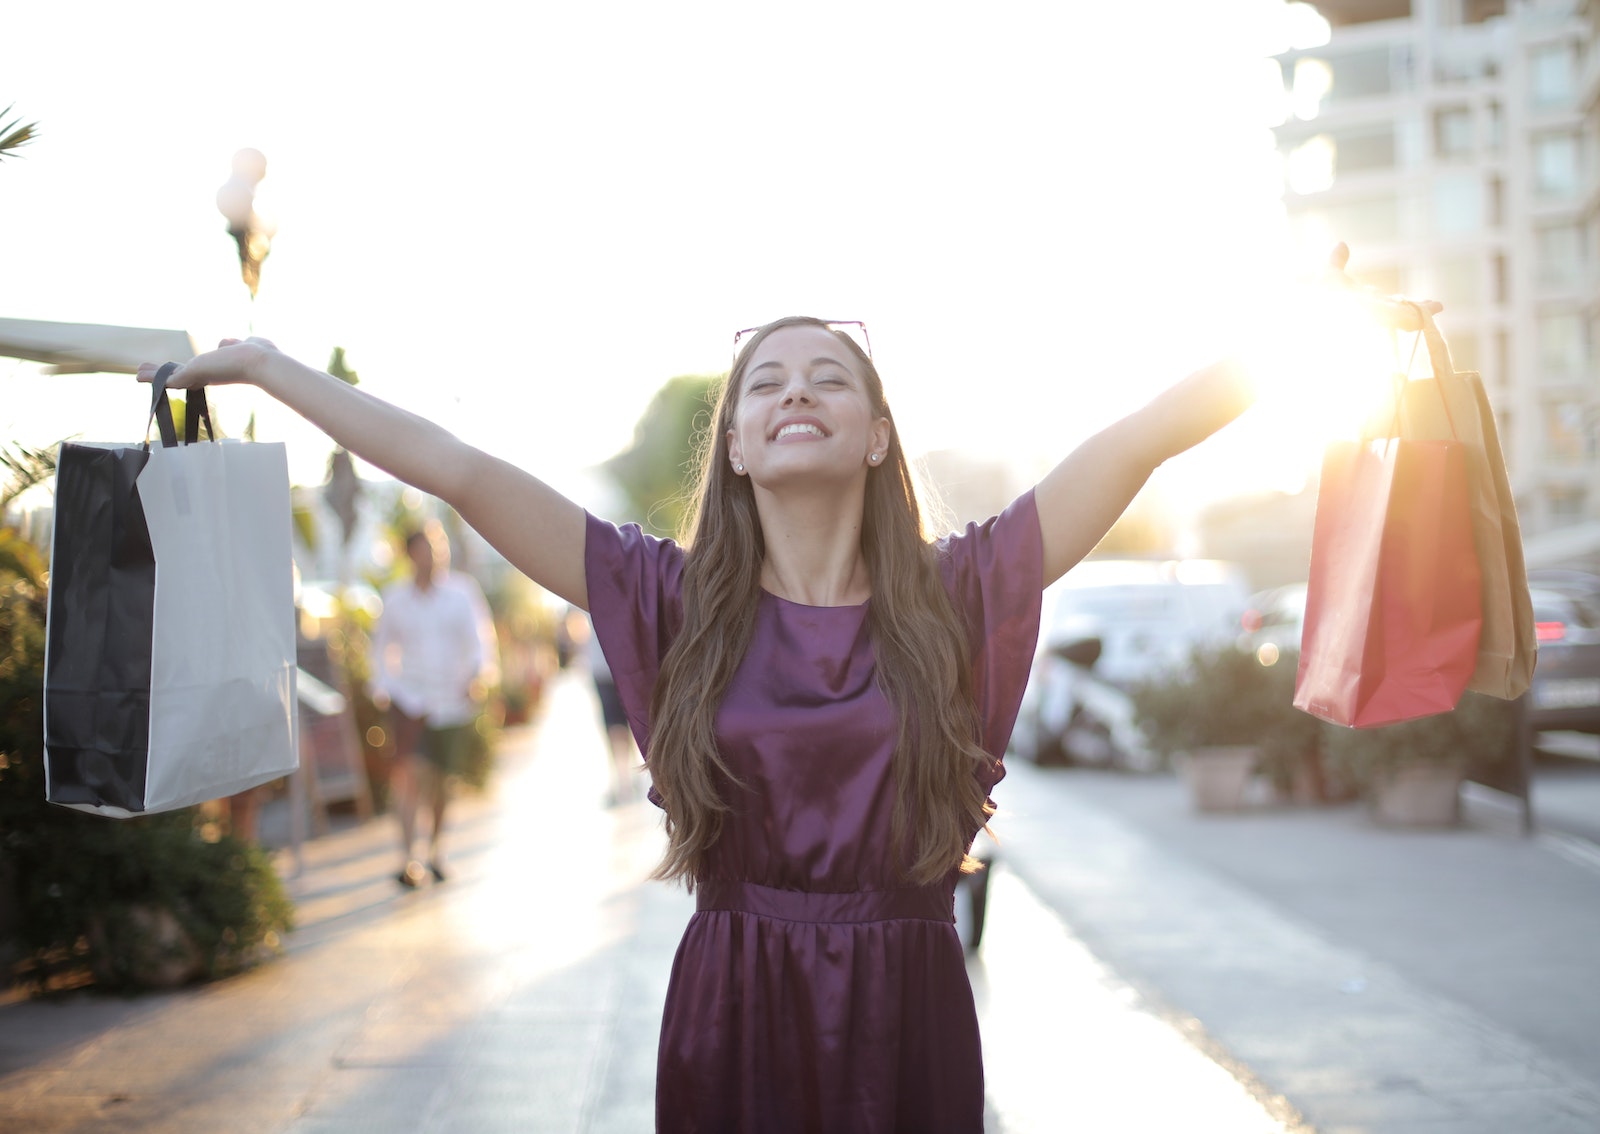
(1451,143)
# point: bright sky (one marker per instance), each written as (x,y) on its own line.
(520,219)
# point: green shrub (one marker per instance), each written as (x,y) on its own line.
(1292,739)
(1224,697)
(1480,733)
(68,880)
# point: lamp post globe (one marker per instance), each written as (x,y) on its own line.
(236,201)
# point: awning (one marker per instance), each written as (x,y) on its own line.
(91,348)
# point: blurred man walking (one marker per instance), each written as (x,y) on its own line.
(434,659)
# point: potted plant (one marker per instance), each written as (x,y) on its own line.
(1412,772)
(1211,720)
(1291,742)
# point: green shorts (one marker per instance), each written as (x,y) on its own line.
(446,748)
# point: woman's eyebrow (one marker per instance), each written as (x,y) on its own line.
(820,360)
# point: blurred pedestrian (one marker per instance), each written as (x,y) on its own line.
(434,658)
(822,695)
(614,720)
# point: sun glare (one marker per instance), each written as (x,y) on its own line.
(1328,370)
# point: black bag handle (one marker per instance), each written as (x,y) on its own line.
(161,412)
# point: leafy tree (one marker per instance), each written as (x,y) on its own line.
(656,472)
(340,368)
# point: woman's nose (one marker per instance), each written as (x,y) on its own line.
(796,392)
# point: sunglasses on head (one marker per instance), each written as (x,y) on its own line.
(854,328)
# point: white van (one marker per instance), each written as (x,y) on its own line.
(1147,617)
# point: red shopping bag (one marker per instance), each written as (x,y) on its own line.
(1394,605)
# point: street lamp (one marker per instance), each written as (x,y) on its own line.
(236,201)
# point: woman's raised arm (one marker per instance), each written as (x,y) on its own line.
(537,529)
(1083,496)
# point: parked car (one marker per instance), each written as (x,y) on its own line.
(1566,682)
(1275,619)
(1105,626)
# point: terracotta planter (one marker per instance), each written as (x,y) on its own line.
(1218,776)
(1419,795)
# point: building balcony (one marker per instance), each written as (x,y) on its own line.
(1345,14)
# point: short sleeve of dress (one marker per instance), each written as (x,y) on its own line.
(635,605)
(994,572)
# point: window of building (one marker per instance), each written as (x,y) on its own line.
(1452,132)
(1565,505)
(1493,127)
(1563,346)
(1553,74)
(1560,254)
(1344,15)
(1501,279)
(1556,164)
(1458,203)
(1464,352)
(1361,151)
(1563,434)
(1362,74)
(1458,282)
(1478,11)
(1376,220)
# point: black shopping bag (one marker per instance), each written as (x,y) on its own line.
(169,660)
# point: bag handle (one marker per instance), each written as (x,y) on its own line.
(1438,358)
(196,409)
(1438,349)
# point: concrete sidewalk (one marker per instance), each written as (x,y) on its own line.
(525,994)
(1380,980)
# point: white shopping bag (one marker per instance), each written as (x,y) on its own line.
(168,692)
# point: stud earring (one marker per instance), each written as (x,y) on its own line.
(738,469)
(875,457)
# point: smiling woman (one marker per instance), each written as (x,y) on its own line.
(823,695)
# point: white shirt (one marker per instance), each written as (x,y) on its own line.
(431,645)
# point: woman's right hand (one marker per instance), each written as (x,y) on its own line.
(234,361)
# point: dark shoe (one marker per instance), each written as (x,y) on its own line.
(438,871)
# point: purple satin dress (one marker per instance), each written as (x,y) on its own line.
(813,990)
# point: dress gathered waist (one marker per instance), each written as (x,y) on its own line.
(924,903)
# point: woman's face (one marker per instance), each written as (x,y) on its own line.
(804,411)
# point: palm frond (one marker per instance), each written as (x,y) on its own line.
(15,134)
(24,467)
(19,559)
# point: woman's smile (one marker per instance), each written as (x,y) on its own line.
(799,429)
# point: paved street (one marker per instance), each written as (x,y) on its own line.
(1145,968)
(525,995)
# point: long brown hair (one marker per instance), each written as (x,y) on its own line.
(920,645)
